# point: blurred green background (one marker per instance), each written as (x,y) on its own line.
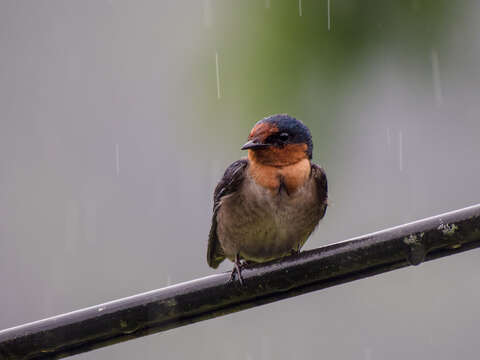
(117,118)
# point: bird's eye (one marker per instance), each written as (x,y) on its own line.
(284,136)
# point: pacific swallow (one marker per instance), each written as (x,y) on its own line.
(268,204)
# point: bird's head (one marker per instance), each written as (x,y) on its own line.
(279,140)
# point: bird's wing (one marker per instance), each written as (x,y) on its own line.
(322,188)
(229,183)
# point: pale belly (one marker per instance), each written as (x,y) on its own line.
(259,225)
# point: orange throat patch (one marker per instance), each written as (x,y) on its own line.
(271,177)
(279,157)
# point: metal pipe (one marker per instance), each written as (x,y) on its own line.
(159,310)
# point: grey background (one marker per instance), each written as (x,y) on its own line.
(113,135)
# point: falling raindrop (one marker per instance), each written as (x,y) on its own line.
(368,353)
(328,15)
(117,158)
(72,227)
(215,173)
(265,349)
(47,303)
(90,221)
(207,13)
(267,4)
(300,7)
(218,75)
(437,85)
(400,151)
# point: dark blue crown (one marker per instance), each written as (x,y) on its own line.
(299,133)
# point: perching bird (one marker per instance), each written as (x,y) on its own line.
(267,205)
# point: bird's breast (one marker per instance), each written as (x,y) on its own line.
(273,178)
(264,221)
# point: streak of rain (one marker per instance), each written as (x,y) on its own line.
(300,7)
(90,221)
(117,159)
(207,13)
(400,151)
(266,353)
(328,15)
(437,84)
(267,4)
(218,75)
(47,303)
(72,227)
(215,173)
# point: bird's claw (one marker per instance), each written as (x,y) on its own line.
(237,269)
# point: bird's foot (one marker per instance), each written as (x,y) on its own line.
(295,251)
(237,269)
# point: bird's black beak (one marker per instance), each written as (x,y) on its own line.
(254,144)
